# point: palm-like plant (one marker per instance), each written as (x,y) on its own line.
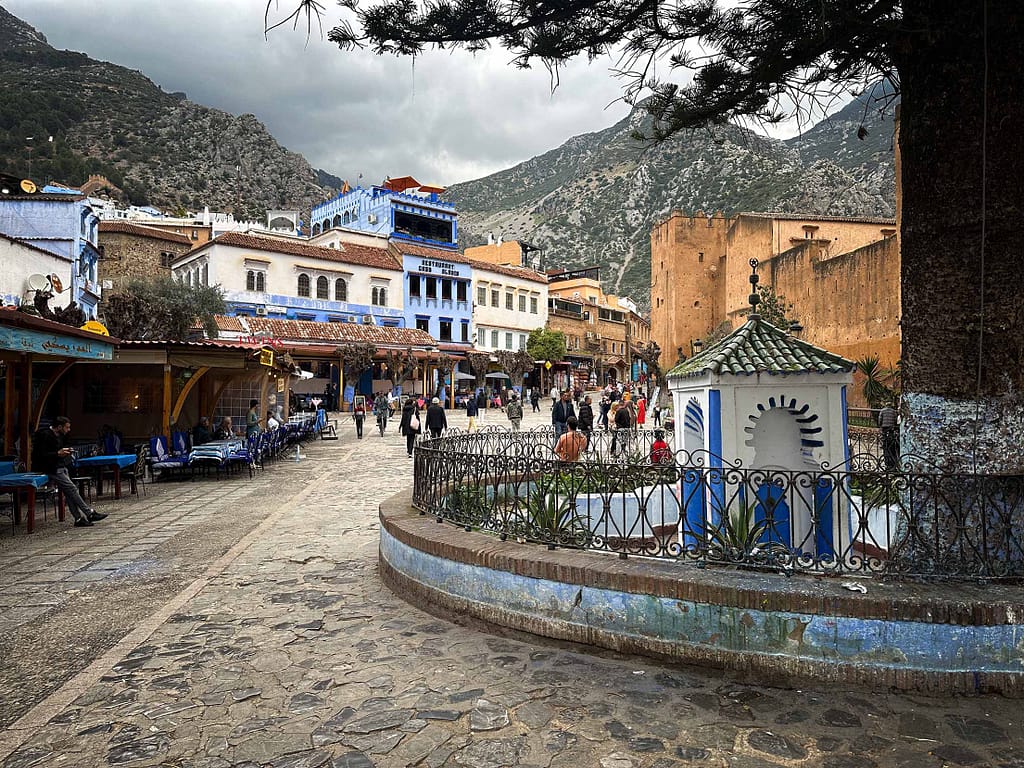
(877,391)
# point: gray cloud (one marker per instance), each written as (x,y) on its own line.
(447,117)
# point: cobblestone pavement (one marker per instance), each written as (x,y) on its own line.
(243,623)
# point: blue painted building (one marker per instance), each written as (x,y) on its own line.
(437,286)
(61,222)
(401,210)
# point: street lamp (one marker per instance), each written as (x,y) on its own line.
(697,346)
(795,328)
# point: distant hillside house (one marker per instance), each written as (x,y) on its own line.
(842,276)
(132,251)
(286,279)
(62,223)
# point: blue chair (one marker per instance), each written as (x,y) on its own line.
(161,459)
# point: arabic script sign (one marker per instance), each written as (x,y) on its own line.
(21,340)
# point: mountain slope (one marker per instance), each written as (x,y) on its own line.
(594,199)
(158,147)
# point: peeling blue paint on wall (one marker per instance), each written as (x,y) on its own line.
(865,642)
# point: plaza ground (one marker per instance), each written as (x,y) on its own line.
(243,623)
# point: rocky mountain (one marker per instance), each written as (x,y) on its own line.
(156,147)
(594,199)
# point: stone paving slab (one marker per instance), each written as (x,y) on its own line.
(285,650)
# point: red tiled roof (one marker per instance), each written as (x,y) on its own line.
(505,269)
(400,248)
(227,323)
(128,228)
(218,343)
(346,253)
(308,330)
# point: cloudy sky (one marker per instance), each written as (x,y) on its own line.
(451,117)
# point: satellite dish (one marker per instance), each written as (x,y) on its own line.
(57,284)
(28,186)
(38,282)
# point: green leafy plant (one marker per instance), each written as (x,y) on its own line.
(877,390)
(737,532)
(552,513)
(468,503)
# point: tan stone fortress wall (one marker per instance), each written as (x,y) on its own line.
(842,277)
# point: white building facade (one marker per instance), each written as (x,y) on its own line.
(274,277)
(508,303)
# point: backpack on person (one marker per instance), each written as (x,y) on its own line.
(514,410)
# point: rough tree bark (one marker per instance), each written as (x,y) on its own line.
(962,183)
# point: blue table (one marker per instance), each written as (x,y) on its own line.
(118,461)
(7,467)
(15,483)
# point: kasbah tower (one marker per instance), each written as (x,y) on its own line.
(841,274)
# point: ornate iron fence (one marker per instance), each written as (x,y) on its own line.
(858,518)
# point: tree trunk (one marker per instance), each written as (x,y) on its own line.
(962,181)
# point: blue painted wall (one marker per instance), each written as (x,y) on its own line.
(320,310)
(434,310)
(373,210)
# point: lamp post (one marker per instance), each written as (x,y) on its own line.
(696,345)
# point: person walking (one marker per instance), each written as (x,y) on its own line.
(514,411)
(623,421)
(472,409)
(887,422)
(604,406)
(560,413)
(380,408)
(554,396)
(641,411)
(358,414)
(437,422)
(585,417)
(410,424)
(51,457)
(535,399)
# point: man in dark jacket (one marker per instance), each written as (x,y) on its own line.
(51,457)
(436,420)
(560,414)
(586,418)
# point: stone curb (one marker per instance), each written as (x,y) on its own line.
(919,612)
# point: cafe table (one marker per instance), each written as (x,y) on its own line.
(18,482)
(118,461)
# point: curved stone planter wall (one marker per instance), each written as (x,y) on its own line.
(904,636)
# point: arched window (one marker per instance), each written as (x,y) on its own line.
(304,285)
(316,229)
(380,297)
(347,218)
(326,225)
(337,221)
(250,281)
(340,290)
(323,290)
(206,274)
(261,281)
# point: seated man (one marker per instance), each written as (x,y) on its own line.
(571,444)
(51,457)
(226,430)
(201,432)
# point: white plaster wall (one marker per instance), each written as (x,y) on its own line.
(228,269)
(498,317)
(17,262)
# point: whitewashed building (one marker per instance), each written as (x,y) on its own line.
(287,279)
(508,303)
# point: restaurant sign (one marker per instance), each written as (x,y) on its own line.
(267,357)
(59,345)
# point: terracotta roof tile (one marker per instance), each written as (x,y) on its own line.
(346,253)
(505,269)
(401,248)
(225,323)
(129,228)
(760,347)
(308,330)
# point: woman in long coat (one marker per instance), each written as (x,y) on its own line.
(409,410)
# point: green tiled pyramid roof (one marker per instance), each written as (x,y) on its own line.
(759,347)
